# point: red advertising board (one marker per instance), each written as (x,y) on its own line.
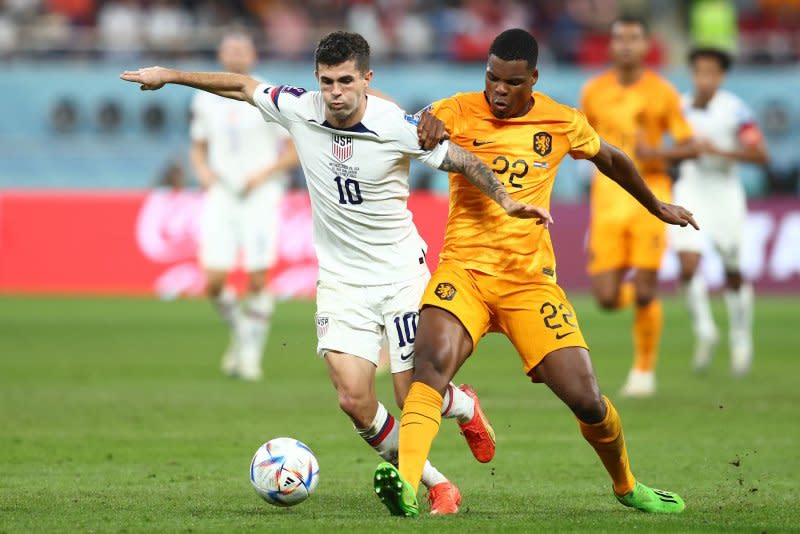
(145,243)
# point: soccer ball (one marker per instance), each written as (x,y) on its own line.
(284,471)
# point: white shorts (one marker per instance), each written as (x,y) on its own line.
(356,319)
(231,224)
(720,209)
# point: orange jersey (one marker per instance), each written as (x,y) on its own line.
(628,115)
(524,153)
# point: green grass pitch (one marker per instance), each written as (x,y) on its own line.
(115,418)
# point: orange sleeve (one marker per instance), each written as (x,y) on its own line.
(447,110)
(677,125)
(584,141)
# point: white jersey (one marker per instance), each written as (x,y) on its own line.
(709,186)
(239,142)
(358,182)
(720,122)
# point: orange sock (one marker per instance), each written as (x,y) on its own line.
(647,335)
(609,444)
(419,424)
(626,295)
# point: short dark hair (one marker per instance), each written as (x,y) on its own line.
(721,56)
(338,47)
(632,19)
(515,44)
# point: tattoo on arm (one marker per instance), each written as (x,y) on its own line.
(481,176)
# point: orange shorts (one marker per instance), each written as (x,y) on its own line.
(536,317)
(623,235)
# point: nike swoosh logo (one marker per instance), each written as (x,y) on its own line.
(475,142)
(562,336)
(404,357)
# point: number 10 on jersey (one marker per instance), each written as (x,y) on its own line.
(349,190)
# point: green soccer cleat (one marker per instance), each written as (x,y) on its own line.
(652,500)
(397,494)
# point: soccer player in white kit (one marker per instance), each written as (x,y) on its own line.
(727,134)
(355,151)
(241,162)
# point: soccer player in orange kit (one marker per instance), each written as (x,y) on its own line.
(633,107)
(498,275)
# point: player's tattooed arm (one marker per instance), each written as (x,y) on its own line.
(481,176)
(227,84)
(615,164)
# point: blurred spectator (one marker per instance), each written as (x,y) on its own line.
(479,22)
(167,27)
(414,35)
(8,32)
(287,28)
(120,24)
(78,12)
(570,31)
(365,18)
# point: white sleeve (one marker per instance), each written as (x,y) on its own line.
(278,103)
(198,129)
(409,144)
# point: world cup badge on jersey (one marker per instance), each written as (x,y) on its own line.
(342,147)
(542,143)
(445,291)
(322,325)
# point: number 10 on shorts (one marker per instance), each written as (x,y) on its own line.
(406,328)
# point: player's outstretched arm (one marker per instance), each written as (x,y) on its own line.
(227,84)
(615,164)
(460,161)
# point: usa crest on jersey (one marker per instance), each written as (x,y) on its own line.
(342,147)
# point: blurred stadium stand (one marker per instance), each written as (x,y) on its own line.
(68,121)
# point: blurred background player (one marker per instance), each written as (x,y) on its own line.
(633,107)
(241,162)
(726,133)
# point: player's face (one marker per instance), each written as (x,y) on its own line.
(237,54)
(343,89)
(708,75)
(508,86)
(629,44)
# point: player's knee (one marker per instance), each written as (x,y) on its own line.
(430,368)
(687,273)
(607,302)
(645,299)
(214,288)
(589,407)
(733,280)
(255,284)
(606,298)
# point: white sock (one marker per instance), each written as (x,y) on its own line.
(700,308)
(257,311)
(383,435)
(456,403)
(740,315)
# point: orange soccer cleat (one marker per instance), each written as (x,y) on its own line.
(478,432)
(444,498)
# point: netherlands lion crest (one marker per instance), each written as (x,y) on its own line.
(542,143)
(445,291)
